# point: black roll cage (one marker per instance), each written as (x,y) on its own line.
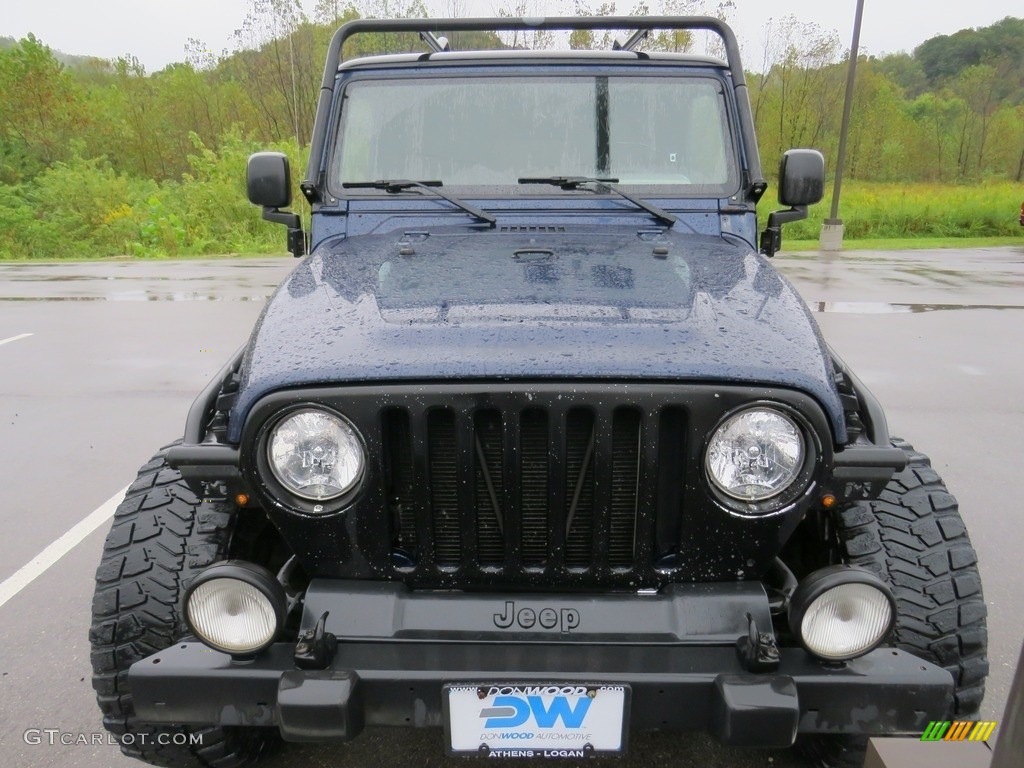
(428,29)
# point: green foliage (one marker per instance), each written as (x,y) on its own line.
(945,57)
(101,158)
(212,200)
(75,208)
(86,208)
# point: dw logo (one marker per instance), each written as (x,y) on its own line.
(513,711)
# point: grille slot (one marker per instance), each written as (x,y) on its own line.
(398,469)
(625,482)
(533,486)
(579,490)
(489,488)
(443,463)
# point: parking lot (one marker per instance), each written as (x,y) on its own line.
(99,363)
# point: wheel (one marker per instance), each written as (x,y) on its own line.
(160,539)
(914,538)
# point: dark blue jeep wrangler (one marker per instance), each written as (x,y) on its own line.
(535,446)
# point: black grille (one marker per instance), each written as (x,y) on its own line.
(528,491)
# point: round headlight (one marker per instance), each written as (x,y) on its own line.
(315,455)
(235,607)
(840,613)
(755,454)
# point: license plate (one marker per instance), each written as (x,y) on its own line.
(545,720)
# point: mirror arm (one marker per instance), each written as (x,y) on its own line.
(771,238)
(296,237)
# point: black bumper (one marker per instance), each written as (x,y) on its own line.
(682,688)
(683,672)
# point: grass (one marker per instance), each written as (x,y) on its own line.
(876,211)
(905,244)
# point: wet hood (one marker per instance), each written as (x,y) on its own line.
(535,305)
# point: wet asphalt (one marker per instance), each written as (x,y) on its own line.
(118,351)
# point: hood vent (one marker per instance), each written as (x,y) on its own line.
(528,230)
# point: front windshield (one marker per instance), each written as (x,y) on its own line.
(492,131)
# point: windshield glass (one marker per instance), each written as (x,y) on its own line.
(492,131)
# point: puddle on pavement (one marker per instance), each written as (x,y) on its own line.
(142,297)
(885,308)
(837,307)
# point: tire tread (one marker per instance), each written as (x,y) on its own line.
(914,538)
(160,538)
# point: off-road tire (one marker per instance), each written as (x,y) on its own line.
(914,538)
(160,539)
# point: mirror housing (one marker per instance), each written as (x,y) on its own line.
(801,177)
(801,183)
(268,180)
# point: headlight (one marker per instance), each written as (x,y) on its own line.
(840,613)
(315,455)
(235,607)
(755,454)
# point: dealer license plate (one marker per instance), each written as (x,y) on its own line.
(544,720)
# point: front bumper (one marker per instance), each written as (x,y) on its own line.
(683,688)
(682,668)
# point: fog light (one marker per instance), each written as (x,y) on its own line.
(840,612)
(235,607)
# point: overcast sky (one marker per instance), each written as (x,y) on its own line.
(156,31)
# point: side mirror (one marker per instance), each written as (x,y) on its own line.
(801,183)
(801,177)
(268,180)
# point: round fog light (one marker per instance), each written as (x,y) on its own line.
(840,613)
(235,607)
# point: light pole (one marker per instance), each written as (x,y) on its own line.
(832,229)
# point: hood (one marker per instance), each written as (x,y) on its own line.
(538,303)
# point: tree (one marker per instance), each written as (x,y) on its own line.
(977,86)
(906,72)
(936,114)
(41,111)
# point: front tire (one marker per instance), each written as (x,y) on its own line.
(914,538)
(161,537)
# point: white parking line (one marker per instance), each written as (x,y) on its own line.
(38,565)
(15,338)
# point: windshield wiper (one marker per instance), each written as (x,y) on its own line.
(401,185)
(575,182)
